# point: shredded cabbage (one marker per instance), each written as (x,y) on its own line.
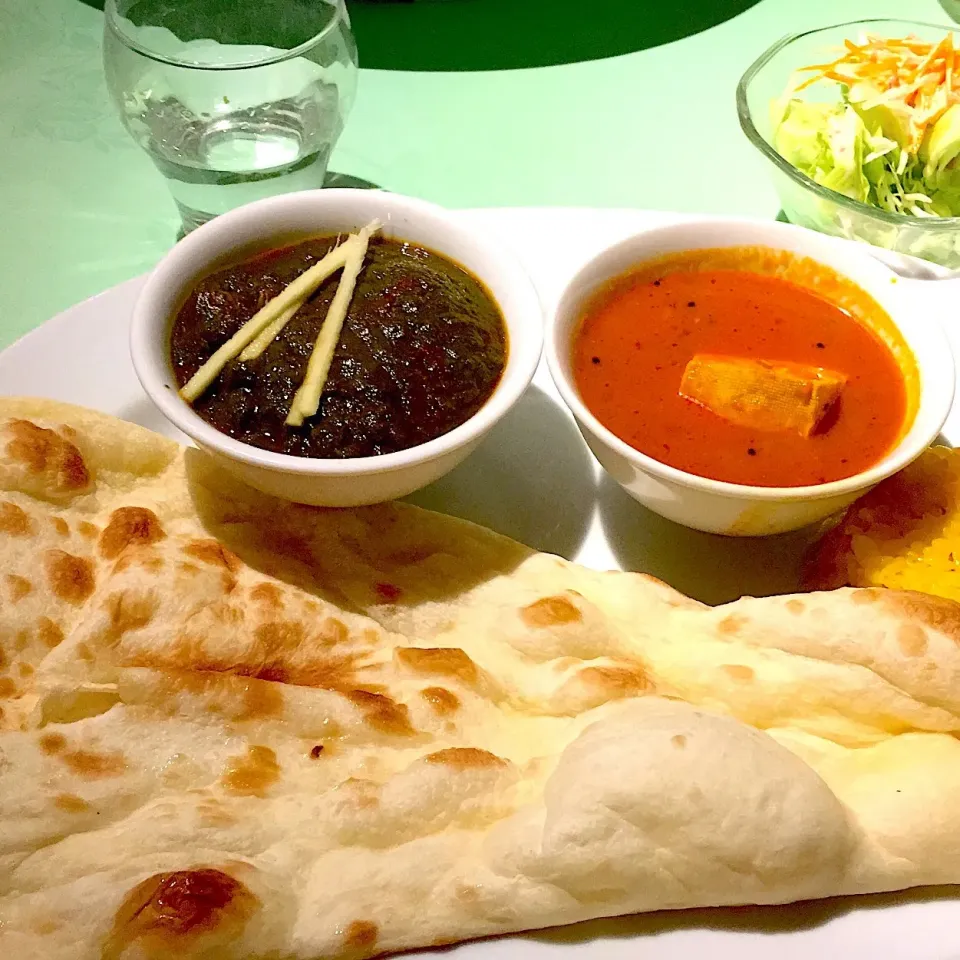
(889,138)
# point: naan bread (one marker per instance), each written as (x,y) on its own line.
(238,728)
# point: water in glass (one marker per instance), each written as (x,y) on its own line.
(230,106)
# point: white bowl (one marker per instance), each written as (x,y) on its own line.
(284,219)
(729,508)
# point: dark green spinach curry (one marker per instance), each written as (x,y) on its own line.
(422,349)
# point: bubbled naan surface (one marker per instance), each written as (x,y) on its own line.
(236,728)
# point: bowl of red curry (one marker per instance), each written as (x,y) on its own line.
(748,378)
(337,347)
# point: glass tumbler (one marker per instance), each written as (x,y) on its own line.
(233,100)
(952,9)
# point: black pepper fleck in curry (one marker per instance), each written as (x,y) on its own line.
(422,349)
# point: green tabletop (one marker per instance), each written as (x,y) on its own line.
(84,209)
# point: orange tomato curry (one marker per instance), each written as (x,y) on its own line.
(637,335)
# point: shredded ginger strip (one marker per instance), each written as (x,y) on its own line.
(306,401)
(291,297)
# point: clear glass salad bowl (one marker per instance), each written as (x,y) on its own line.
(808,203)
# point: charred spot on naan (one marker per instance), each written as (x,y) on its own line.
(70,803)
(18,587)
(330,632)
(594,684)
(732,625)
(381,713)
(361,935)
(288,653)
(465,758)
(279,651)
(912,640)
(71,578)
(552,611)
(442,701)
(54,467)
(259,699)
(253,773)
(214,554)
(127,611)
(325,672)
(49,633)
(83,762)
(199,909)
(277,642)
(450,662)
(617,680)
(88,530)
(94,765)
(14,520)
(129,527)
(52,743)
(268,594)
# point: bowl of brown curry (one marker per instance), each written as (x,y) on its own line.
(336,347)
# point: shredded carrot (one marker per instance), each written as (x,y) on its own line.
(921,78)
(948,63)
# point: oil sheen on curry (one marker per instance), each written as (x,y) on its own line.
(746,365)
(422,347)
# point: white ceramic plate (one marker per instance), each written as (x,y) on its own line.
(535,480)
